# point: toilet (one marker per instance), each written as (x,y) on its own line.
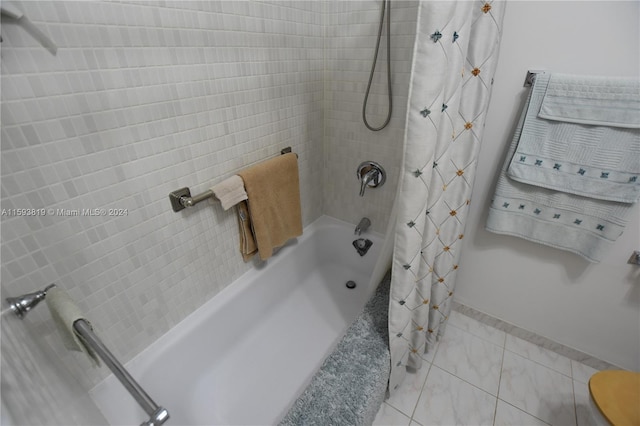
(614,398)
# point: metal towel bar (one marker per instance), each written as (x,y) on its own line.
(182,199)
(157,414)
(21,305)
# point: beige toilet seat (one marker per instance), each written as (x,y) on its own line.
(617,396)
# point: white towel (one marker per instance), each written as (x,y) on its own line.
(581,136)
(65,312)
(582,225)
(592,100)
(230,191)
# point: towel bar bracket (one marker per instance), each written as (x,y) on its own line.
(176,198)
(181,199)
(531,77)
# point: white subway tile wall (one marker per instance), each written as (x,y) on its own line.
(351,31)
(143,98)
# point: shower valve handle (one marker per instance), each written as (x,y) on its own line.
(370,174)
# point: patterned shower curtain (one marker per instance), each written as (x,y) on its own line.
(454,60)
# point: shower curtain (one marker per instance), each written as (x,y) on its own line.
(454,60)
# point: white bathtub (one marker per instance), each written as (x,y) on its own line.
(246,354)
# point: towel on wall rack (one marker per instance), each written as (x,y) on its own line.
(582,137)
(247,242)
(230,191)
(65,312)
(273,192)
(546,208)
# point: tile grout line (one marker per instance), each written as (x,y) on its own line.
(466,381)
(504,349)
(497,399)
(539,363)
(415,407)
(394,409)
(548,368)
(573,389)
(526,412)
(532,337)
(495,410)
(473,336)
(477,336)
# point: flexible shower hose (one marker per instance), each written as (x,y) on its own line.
(373,68)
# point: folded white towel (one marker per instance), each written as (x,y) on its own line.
(230,191)
(592,100)
(582,225)
(65,312)
(573,141)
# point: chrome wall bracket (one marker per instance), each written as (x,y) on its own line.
(21,305)
(531,77)
(175,197)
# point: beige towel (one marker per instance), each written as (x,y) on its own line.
(230,191)
(247,243)
(274,202)
(65,312)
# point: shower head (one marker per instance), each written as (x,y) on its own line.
(22,304)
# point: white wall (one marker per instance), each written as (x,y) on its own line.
(594,308)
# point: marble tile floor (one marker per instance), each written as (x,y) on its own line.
(479,375)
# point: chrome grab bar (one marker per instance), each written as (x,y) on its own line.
(157,414)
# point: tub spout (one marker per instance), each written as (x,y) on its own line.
(364,224)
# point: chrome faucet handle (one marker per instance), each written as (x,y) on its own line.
(370,174)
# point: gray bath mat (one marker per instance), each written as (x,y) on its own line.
(351,384)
